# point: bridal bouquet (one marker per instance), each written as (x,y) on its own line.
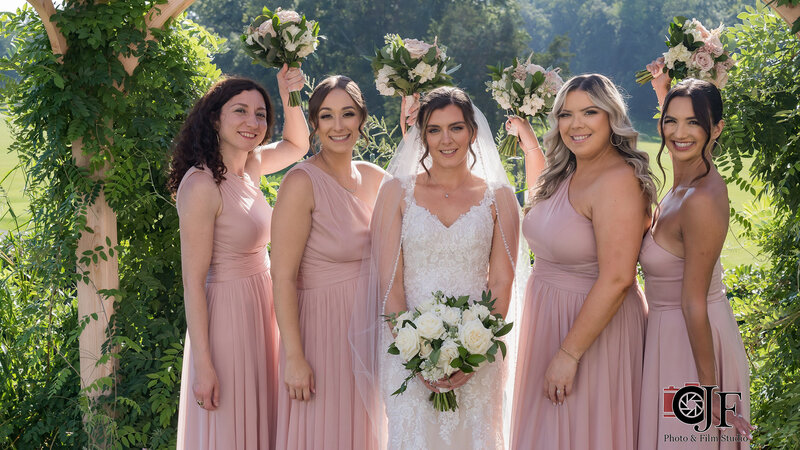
(694,52)
(445,335)
(525,88)
(282,37)
(406,66)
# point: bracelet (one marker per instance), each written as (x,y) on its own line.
(577,360)
(531,149)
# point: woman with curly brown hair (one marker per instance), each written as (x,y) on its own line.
(230,371)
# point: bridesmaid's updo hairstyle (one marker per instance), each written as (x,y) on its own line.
(707,107)
(321,92)
(197,144)
(561,161)
(439,98)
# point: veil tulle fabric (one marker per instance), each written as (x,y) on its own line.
(380,266)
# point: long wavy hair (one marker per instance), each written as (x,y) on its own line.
(560,161)
(707,107)
(439,98)
(321,92)
(197,144)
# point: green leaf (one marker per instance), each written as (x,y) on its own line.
(504,331)
(474,360)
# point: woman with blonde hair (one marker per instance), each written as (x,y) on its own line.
(582,331)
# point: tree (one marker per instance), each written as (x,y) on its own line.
(103,89)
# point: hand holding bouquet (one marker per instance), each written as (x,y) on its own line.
(404,67)
(282,37)
(693,52)
(527,89)
(446,335)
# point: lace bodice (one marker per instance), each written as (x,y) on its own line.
(454,260)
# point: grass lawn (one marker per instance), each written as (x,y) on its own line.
(11,189)
(738,249)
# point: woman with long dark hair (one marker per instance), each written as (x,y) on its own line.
(229,381)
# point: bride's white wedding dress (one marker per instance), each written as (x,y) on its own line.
(454,260)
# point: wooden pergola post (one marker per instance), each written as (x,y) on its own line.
(788,13)
(100,218)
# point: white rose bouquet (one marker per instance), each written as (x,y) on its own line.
(527,89)
(694,52)
(407,66)
(445,335)
(282,37)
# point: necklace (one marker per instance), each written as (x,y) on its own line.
(447,194)
(352,191)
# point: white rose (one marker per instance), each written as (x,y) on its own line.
(424,72)
(407,341)
(401,318)
(288,16)
(383,87)
(448,353)
(451,316)
(291,32)
(416,48)
(425,306)
(475,337)
(469,315)
(291,46)
(386,72)
(429,325)
(677,53)
(533,68)
(480,310)
(425,349)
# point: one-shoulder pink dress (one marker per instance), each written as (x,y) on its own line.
(669,362)
(329,275)
(242,330)
(602,412)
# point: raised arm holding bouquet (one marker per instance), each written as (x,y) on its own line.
(282,37)
(693,52)
(528,90)
(405,67)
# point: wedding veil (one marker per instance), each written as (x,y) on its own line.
(379,267)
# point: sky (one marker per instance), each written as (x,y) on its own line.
(11,5)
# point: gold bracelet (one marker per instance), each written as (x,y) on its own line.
(531,149)
(577,360)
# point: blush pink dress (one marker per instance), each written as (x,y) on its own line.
(603,410)
(668,359)
(242,330)
(329,275)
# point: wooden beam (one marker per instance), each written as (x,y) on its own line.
(159,15)
(46,9)
(789,13)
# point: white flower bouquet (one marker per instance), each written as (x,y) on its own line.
(694,52)
(527,89)
(282,37)
(445,335)
(407,66)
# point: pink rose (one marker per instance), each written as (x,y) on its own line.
(703,61)
(288,16)
(266,28)
(712,45)
(416,48)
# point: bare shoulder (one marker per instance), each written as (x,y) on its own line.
(619,180)
(707,202)
(199,191)
(370,173)
(296,183)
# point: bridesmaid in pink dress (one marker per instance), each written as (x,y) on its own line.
(320,233)
(229,382)
(692,335)
(582,331)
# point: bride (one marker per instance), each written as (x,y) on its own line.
(448,221)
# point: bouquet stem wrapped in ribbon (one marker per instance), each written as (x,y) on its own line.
(527,89)
(694,52)
(445,335)
(282,37)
